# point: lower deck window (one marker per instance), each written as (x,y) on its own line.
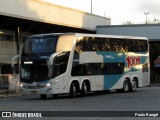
(98,69)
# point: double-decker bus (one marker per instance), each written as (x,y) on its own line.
(74,63)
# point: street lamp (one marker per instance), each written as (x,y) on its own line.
(146,13)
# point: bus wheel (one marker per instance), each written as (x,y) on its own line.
(72,93)
(126,86)
(133,85)
(55,95)
(84,90)
(43,96)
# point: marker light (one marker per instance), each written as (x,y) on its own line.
(28,62)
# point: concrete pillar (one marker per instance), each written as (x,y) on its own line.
(17,32)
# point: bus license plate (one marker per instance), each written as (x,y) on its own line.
(33,92)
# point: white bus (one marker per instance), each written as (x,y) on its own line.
(73,63)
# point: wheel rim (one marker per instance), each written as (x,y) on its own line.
(73,91)
(134,85)
(85,88)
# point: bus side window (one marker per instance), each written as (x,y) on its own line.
(79,70)
(113,68)
(60,64)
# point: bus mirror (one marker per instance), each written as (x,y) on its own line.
(51,58)
(13,62)
(54,59)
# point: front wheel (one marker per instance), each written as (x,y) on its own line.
(72,93)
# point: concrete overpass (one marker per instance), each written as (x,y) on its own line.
(46,17)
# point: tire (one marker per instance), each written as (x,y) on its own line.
(84,90)
(126,86)
(133,86)
(55,95)
(72,92)
(43,96)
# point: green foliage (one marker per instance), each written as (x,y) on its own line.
(154,21)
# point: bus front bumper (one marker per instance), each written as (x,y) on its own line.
(45,90)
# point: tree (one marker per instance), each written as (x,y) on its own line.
(154,21)
(128,23)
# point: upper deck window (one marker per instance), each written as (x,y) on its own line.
(45,44)
(111,44)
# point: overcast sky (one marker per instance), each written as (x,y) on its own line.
(119,11)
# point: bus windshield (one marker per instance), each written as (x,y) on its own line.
(36,71)
(40,44)
(37,52)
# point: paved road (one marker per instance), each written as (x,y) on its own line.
(145,99)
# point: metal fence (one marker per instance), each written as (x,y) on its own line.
(9,84)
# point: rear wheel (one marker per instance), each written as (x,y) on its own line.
(72,93)
(84,90)
(43,96)
(126,86)
(133,85)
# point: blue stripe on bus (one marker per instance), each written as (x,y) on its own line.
(111,80)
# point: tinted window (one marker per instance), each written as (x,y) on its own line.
(60,63)
(6,38)
(40,45)
(97,69)
(110,44)
(37,71)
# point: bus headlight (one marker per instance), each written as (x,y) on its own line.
(48,84)
(42,85)
(21,85)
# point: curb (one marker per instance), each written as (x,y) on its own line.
(154,85)
(6,95)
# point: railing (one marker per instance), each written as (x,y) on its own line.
(9,84)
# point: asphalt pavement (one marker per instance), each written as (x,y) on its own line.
(144,99)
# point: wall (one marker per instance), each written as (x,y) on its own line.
(152,32)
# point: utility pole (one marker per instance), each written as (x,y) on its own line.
(91,6)
(17,33)
(146,13)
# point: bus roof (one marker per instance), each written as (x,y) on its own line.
(110,36)
(91,35)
